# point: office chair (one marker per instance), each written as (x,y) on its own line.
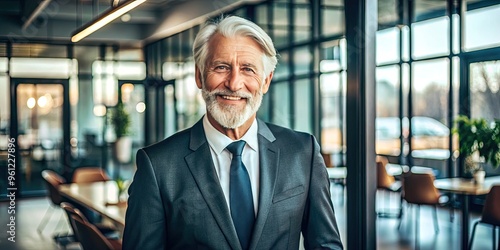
(419,189)
(490,214)
(90,237)
(52,181)
(387,184)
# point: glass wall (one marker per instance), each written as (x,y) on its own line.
(47,78)
(418,81)
(418,55)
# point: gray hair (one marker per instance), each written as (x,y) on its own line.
(233,26)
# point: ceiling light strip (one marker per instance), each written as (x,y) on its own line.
(104,19)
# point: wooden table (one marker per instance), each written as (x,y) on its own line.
(466,188)
(101,197)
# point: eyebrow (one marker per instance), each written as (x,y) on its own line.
(249,65)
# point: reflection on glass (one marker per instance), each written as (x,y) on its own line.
(330,57)
(302,23)
(387,100)
(387,42)
(130,70)
(303,115)
(425,9)
(405,38)
(40,131)
(56,68)
(190,104)
(477,34)
(280,24)
(430,87)
(431,37)
(332,104)
(3,64)
(104,83)
(4,111)
(387,11)
(133,95)
(261,16)
(282,69)
(281,107)
(169,110)
(302,59)
(332,16)
(484,89)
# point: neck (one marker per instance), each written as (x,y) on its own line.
(233,133)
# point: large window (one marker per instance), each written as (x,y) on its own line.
(478,34)
(387,123)
(484,89)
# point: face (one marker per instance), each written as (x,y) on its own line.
(233,82)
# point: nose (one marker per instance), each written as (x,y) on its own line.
(234,80)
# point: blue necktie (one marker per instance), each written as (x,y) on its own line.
(240,195)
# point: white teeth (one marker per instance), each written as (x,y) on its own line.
(235,98)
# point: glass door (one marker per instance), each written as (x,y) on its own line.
(40,126)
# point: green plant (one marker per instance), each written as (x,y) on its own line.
(477,136)
(120,119)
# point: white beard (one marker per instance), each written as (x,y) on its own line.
(229,116)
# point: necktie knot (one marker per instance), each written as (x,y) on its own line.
(236,148)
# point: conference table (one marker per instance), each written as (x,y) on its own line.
(101,197)
(466,188)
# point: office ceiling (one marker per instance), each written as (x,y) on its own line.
(56,20)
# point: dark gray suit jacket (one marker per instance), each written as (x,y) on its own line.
(176,201)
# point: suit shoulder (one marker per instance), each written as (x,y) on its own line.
(289,135)
(169,144)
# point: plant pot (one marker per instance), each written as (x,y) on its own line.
(479,176)
(123,149)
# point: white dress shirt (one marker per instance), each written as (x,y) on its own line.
(222,158)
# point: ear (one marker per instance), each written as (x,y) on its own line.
(197,77)
(267,82)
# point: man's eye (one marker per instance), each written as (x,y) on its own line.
(248,70)
(221,68)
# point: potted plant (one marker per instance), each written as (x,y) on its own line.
(479,143)
(120,119)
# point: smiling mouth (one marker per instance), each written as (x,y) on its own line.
(232,98)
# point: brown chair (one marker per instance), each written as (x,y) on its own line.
(52,181)
(490,214)
(89,174)
(387,183)
(108,231)
(90,237)
(419,189)
(328,160)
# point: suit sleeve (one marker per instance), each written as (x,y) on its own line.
(144,220)
(319,226)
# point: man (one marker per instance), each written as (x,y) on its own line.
(196,190)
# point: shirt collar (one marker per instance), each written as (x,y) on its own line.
(219,141)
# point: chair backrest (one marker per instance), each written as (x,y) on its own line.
(328,159)
(418,188)
(89,236)
(72,211)
(52,182)
(89,174)
(384,180)
(491,209)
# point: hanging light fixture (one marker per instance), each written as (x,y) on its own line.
(103,19)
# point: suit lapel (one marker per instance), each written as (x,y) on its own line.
(269,161)
(201,166)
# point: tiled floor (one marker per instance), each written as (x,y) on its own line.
(31,211)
